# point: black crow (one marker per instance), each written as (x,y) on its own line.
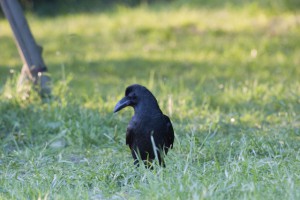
(149,128)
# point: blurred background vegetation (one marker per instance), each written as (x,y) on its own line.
(225,71)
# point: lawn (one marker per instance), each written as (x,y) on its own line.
(228,77)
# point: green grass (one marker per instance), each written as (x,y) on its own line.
(227,76)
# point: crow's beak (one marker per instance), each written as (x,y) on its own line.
(122,104)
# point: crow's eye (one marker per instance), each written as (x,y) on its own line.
(133,96)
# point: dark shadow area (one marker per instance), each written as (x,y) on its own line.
(28,123)
(48,8)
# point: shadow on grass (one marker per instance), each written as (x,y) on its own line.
(54,8)
(31,123)
(216,88)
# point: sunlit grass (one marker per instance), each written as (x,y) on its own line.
(227,76)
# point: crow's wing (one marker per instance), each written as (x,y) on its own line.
(169,136)
(129,136)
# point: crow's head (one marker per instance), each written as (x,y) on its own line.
(139,97)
